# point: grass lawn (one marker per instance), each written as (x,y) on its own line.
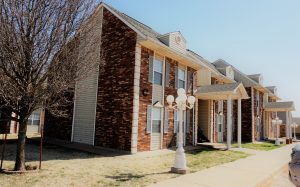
(261,146)
(65,167)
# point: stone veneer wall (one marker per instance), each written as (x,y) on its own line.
(115,90)
(247,117)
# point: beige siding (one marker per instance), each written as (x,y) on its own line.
(203,117)
(87,86)
(85,106)
(181,46)
(157,94)
(203,77)
(155,141)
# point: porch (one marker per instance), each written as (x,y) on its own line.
(211,121)
(280,111)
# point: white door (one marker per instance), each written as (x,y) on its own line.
(220,128)
(156,129)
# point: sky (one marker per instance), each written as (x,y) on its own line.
(257,36)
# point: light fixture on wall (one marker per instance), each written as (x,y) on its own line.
(145,92)
(220,113)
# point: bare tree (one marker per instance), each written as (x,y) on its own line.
(39,55)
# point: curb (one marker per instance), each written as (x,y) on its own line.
(269,180)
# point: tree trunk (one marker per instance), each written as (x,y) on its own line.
(20,156)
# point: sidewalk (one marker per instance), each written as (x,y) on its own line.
(254,171)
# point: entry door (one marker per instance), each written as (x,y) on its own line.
(220,128)
(156,129)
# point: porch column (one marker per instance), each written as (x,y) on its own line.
(291,121)
(229,122)
(196,123)
(239,123)
(287,129)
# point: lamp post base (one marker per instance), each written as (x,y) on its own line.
(180,162)
(179,171)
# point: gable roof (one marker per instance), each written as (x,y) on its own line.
(238,75)
(255,77)
(271,89)
(196,56)
(222,91)
(146,31)
(139,26)
(272,93)
(280,106)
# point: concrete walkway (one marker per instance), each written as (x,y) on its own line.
(256,170)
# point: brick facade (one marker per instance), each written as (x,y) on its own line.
(115,89)
(169,138)
(247,117)
(145,100)
(59,127)
(258,111)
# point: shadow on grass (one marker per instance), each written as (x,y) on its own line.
(123,177)
(53,152)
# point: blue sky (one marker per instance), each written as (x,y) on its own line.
(255,36)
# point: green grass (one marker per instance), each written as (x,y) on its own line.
(206,158)
(62,167)
(265,146)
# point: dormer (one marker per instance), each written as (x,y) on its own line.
(273,89)
(229,72)
(174,40)
(257,78)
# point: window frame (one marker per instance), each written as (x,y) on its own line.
(179,69)
(160,59)
(153,118)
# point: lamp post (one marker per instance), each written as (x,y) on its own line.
(182,102)
(294,125)
(277,122)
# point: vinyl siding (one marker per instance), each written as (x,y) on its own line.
(157,93)
(85,106)
(180,47)
(203,117)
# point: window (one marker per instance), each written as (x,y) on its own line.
(181,78)
(158,71)
(156,120)
(34,119)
